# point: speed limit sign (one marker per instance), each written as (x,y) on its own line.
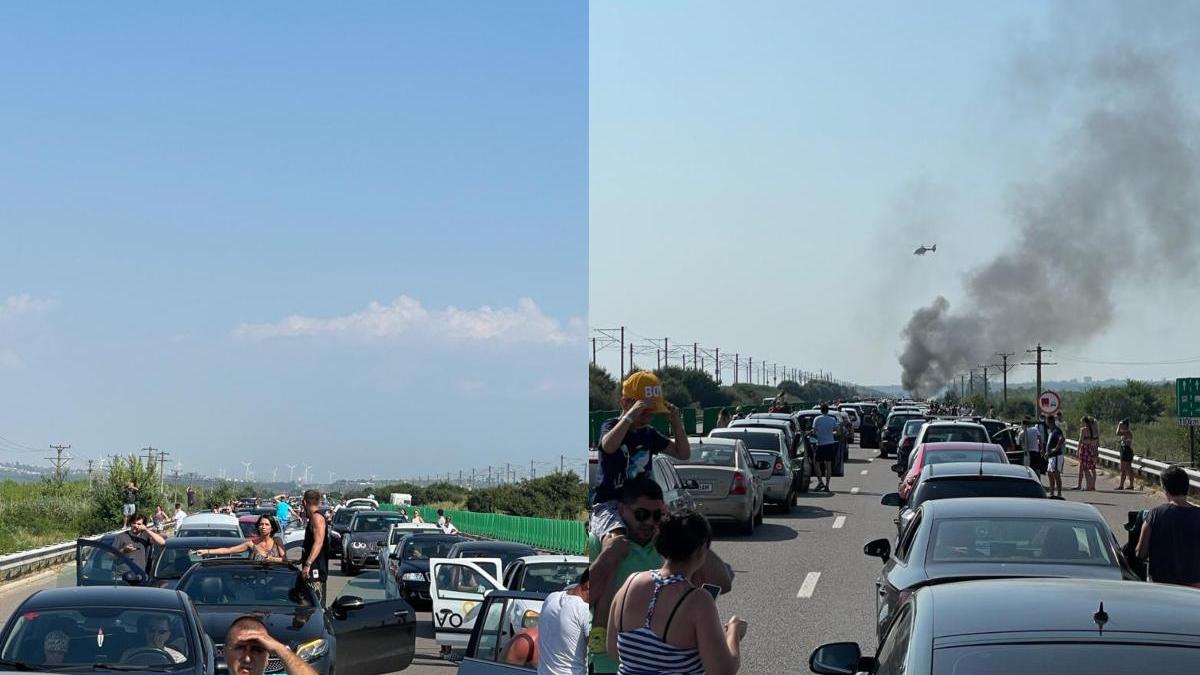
(1049,402)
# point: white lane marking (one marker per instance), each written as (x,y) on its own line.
(839,522)
(854,491)
(863,472)
(809,585)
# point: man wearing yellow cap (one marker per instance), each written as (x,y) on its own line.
(627,447)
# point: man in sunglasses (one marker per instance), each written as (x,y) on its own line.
(641,510)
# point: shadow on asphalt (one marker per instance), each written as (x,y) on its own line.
(764,532)
(804,512)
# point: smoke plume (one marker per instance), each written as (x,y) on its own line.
(1120,205)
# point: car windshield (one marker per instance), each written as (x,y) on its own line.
(898,421)
(963,434)
(209,532)
(1018,540)
(1088,656)
(994,427)
(753,440)
(238,585)
(424,548)
(550,577)
(711,455)
(986,456)
(976,486)
(375,523)
(765,456)
(174,561)
(343,516)
(85,636)
(912,428)
(401,532)
(249,527)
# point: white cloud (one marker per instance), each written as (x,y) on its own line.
(524,323)
(23,304)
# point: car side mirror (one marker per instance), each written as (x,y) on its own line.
(691,484)
(898,468)
(133,578)
(835,658)
(346,603)
(879,548)
(892,499)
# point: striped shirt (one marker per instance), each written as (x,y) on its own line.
(643,652)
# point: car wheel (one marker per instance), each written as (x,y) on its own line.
(748,526)
(805,476)
(789,502)
(758,520)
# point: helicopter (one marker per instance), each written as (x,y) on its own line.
(925,249)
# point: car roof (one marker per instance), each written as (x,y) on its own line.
(936,446)
(202,542)
(210,519)
(1011,507)
(373,512)
(986,469)
(731,438)
(551,559)
(490,545)
(760,423)
(954,423)
(134,597)
(1037,605)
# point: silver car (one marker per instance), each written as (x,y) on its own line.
(726,486)
(779,477)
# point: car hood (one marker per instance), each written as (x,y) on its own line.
(289,625)
(415,566)
(370,538)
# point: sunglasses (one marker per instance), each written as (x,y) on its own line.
(643,515)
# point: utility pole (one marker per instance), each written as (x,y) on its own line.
(1038,350)
(562,464)
(695,356)
(507,471)
(631,366)
(150,458)
(162,470)
(985,384)
(90,471)
(750,369)
(1004,368)
(736,367)
(972,388)
(622,375)
(532,471)
(593,351)
(962,387)
(60,464)
(717,361)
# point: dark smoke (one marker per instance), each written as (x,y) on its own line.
(1122,206)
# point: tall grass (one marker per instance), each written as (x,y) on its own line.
(38,514)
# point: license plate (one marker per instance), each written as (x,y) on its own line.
(706,487)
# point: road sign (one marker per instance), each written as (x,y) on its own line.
(1187,397)
(1049,402)
(1189,421)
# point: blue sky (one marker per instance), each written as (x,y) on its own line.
(756,166)
(174,185)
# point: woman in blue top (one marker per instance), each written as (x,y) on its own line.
(659,624)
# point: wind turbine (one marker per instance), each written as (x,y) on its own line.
(291,468)
(306,469)
(247,465)
(274,473)
(331,475)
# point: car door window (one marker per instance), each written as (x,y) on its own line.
(894,651)
(487,645)
(905,547)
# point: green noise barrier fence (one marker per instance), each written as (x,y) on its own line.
(563,536)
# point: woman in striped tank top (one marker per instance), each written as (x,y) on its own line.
(660,625)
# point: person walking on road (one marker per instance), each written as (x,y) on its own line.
(825,428)
(1125,443)
(1031,444)
(248,645)
(136,542)
(129,502)
(628,445)
(1056,442)
(659,623)
(563,630)
(1170,535)
(1089,449)
(641,509)
(315,554)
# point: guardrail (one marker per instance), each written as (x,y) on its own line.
(22,563)
(1147,469)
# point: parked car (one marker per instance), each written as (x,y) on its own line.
(908,438)
(784,417)
(543,573)
(806,417)
(360,544)
(942,453)
(780,478)
(675,494)
(791,440)
(375,636)
(773,440)
(209,525)
(988,537)
(943,431)
(178,555)
(955,480)
(108,629)
(1009,439)
(868,431)
(727,488)
(490,638)
(409,563)
(855,417)
(505,551)
(395,535)
(340,524)
(362,503)
(890,436)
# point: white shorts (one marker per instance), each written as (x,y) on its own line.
(1056,464)
(605,518)
(129,509)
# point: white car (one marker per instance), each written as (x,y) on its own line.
(210,525)
(362,503)
(855,417)
(390,544)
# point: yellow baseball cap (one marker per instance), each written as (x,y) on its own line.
(645,385)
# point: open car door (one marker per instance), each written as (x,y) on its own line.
(375,633)
(487,652)
(98,564)
(457,587)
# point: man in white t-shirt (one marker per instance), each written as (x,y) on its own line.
(1031,439)
(563,630)
(178,516)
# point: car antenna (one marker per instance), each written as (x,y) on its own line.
(1101,618)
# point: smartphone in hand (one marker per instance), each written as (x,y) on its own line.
(713,590)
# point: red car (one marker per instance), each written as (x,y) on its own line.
(950,451)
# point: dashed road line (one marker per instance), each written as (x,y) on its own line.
(809,585)
(853,490)
(839,522)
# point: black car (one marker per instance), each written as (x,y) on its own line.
(339,525)
(1005,626)
(409,565)
(889,438)
(988,537)
(136,630)
(955,480)
(506,551)
(360,542)
(177,556)
(354,635)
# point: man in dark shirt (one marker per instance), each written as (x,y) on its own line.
(136,542)
(1170,534)
(191,498)
(627,447)
(315,554)
(128,502)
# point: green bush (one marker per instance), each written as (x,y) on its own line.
(602,389)
(39,514)
(556,495)
(107,498)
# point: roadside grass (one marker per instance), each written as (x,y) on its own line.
(38,514)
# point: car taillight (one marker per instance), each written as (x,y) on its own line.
(778,471)
(739,485)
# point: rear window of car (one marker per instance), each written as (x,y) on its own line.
(419,547)
(550,577)
(912,427)
(987,456)
(754,440)
(208,532)
(764,456)
(963,434)
(241,586)
(375,523)
(898,421)
(174,561)
(1085,657)
(711,455)
(1018,540)
(343,516)
(953,488)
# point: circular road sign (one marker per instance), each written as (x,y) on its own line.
(1049,402)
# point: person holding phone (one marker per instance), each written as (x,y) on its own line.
(135,543)
(658,623)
